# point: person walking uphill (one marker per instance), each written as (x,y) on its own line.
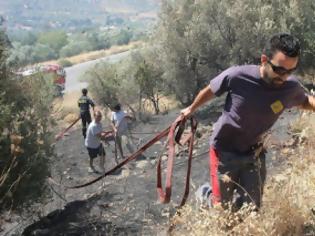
(256,97)
(84,104)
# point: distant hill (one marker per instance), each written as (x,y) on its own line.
(69,5)
(45,14)
(130,5)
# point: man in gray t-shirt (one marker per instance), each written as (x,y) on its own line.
(93,141)
(256,97)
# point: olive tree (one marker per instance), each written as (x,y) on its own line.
(199,39)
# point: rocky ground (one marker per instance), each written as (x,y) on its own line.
(125,203)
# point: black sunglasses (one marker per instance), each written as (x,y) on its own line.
(281,70)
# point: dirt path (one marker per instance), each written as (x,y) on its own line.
(123,203)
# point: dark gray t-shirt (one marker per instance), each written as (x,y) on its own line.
(251,106)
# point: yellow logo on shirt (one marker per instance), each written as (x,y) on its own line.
(277,107)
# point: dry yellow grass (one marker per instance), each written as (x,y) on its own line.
(66,109)
(166,103)
(99,54)
(67,106)
(287,204)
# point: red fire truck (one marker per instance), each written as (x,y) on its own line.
(59,76)
(54,71)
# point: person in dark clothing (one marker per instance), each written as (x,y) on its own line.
(256,96)
(84,104)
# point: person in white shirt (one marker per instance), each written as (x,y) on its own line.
(93,142)
(120,120)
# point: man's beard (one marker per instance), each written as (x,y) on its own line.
(272,81)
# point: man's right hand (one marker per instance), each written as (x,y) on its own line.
(203,96)
(115,131)
(187,112)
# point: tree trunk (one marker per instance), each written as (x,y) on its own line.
(155,102)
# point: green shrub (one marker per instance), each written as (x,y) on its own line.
(75,48)
(64,62)
(199,39)
(25,136)
(104,83)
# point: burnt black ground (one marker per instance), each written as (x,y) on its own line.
(126,203)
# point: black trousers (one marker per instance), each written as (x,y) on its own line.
(86,120)
(237,178)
